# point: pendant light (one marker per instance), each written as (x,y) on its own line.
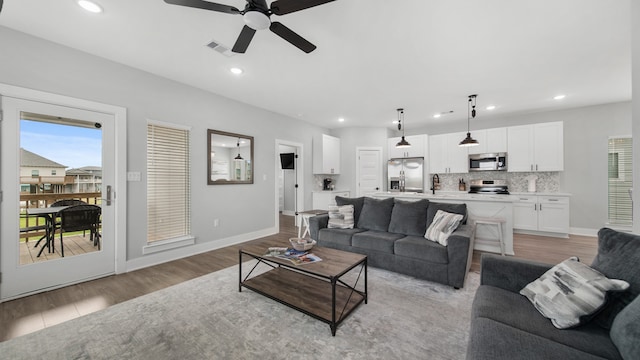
(402,143)
(238,157)
(471,113)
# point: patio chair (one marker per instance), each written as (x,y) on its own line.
(68,202)
(80,217)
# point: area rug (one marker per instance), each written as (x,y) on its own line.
(207,318)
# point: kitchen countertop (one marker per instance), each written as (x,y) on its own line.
(329,191)
(540,193)
(464,196)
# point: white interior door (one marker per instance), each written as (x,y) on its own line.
(20,277)
(369,170)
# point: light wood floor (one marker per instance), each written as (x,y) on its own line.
(32,313)
(73,245)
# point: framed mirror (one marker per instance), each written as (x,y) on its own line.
(230,158)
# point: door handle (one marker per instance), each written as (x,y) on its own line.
(109,195)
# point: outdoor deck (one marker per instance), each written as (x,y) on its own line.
(73,245)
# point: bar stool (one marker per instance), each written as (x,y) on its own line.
(498,223)
(305,215)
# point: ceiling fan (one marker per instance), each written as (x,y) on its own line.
(256,15)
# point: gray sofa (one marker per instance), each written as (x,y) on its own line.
(391,233)
(505,325)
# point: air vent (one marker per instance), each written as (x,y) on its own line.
(220,48)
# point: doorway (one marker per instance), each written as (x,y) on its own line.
(289,181)
(44,136)
(368,170)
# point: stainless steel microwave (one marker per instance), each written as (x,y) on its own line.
(488,162)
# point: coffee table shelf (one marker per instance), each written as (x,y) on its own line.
(311,291)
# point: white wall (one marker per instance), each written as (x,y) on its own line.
(38,64)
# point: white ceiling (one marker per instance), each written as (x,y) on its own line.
(373,56)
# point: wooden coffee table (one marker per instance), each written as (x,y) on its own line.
(316,289)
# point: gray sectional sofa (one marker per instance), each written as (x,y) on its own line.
(505,325)
(391,233)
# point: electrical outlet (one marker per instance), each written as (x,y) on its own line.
(216,222)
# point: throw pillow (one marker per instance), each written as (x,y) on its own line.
(570,293)
(450,208)
(376,214)
(617,252)
(341,217)
(442,226)
(357,206)
(409,217)
(625,331)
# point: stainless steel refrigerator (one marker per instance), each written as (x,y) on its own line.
(406,174)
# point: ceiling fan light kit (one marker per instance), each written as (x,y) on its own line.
(471,113)
(257,16)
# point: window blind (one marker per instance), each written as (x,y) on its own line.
(168,183)
(620,181)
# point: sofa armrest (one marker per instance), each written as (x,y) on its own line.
(316,223)
(460,251)
(509,273)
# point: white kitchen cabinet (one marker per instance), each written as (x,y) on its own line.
(446,156)
(326,155)
(489,141)
(536,147)
(323,199)
(417,148)
(542,213)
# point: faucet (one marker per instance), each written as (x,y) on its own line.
(434,180)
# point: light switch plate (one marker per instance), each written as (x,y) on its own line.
(133,176)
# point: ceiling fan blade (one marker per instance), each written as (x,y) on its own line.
(200,4)
(244,40)
(293,38)
(281,7)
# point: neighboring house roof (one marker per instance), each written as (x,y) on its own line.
(29,159)
(86,170)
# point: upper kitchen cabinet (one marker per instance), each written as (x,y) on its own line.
(417,148)
(446,156)
(490,141)
(537,147)
(326,155)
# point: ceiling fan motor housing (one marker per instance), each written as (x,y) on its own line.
(256,20)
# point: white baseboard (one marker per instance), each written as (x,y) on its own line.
(175,254)
(583,231)
(288,212)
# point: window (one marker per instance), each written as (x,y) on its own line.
(53,172)
(620,181)
(35,173)
(168,183)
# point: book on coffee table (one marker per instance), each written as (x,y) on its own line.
(297,257)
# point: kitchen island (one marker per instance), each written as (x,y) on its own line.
(479,206)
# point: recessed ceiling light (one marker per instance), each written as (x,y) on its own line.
(394,122)
(491,107)
(341,119)
(236,70)
(437,116)
(559,97)
(90,6)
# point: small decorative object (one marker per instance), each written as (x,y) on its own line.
(301,244)
(462,186)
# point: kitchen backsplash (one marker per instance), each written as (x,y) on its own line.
(516,181)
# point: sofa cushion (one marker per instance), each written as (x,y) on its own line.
(375,240)
(357,206)
(338,236)
(416,247)
(515,311)
(450,208)
(376,214)
(625,331)
(341,217)
(409,217)
(571,292)
(442,226)
(493,340)
(617,252)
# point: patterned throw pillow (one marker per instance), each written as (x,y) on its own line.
(341,217)
(570,293)
(442,226)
